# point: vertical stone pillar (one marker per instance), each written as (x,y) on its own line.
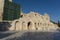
(1,9)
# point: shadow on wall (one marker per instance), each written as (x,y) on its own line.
(4,26)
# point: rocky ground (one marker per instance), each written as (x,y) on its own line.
(28,35)
(37,36)
(33,36)
(4,34)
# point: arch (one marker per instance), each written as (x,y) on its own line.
(21,16)
(36,26)
(29,25)
(17,25)
(23,25)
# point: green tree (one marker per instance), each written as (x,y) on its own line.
(11,10)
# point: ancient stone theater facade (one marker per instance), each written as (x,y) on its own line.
(30,21)
(33,21)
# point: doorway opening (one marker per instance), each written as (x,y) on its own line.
(29,25)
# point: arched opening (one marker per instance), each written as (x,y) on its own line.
(23,25)
(21,16)
(36,26)
(29,25)
(17,25)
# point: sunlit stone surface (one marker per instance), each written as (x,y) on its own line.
(33,21)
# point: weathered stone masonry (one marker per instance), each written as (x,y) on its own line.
(33,21)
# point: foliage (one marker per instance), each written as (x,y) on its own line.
(11,11)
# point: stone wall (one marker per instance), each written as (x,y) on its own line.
(33,21)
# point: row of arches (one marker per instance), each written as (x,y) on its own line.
(27,25)
(23,25)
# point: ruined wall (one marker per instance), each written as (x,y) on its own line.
(33,21)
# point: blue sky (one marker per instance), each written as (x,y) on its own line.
(51,7)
